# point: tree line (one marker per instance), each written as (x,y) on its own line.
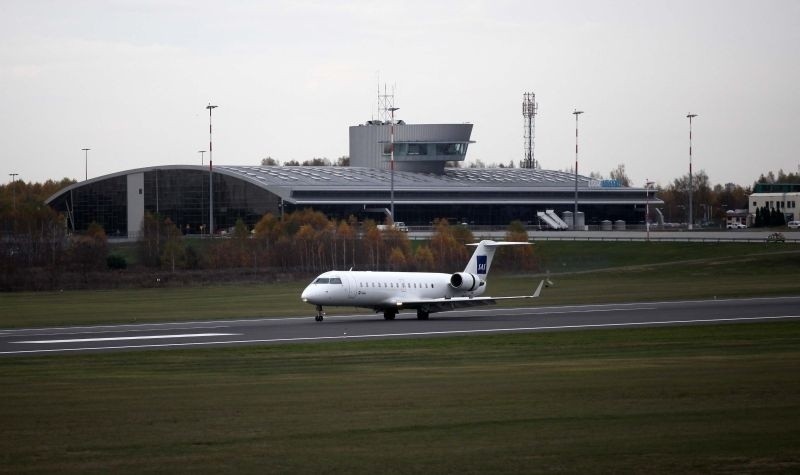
(307,242)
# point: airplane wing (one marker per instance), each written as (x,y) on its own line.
(438,305)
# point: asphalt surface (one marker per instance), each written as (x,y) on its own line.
(656,234)
(491,320)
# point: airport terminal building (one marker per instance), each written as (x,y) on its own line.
(424,189)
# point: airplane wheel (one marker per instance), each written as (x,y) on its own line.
(389,315)
(422,315)
(318,318)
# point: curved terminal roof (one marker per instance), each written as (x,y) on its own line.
(309,185)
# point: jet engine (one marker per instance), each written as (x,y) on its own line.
(464,281)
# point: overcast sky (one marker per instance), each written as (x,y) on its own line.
(131,79)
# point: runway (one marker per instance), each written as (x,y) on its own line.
(491,320)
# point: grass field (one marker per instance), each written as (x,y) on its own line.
(667,400)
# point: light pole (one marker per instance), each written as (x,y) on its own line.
(14,189)
(647,186)
(724,220)
(576,112)
(391,160)
(210,174)
(202,197)
(690,116)
(86,162)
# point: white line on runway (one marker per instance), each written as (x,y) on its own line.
(139,326)
(121,338)
(395,335)
(171,329)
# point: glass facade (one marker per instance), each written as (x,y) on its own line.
(180,195)
(103,202)
(426,151)
(478,214)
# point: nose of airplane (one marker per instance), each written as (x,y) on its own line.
(306,294)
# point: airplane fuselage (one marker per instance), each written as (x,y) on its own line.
(382,290)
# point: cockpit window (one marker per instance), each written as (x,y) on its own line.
(328,280)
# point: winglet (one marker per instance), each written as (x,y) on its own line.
(538,290)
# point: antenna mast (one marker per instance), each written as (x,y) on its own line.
(529,110)
(385,104)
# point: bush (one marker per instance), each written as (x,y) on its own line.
(115,261)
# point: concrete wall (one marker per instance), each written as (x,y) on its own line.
(368,142)
(135,204)
(787,203)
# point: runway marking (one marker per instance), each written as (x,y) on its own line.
(124,331)
(139,326)
(121,338)
(389,335)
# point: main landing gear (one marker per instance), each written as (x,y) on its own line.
(389,314)
(320,314)
(422,314)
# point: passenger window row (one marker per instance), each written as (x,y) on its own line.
(392,285)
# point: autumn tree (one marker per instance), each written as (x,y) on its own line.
(517,258)
(423,259)
(397,259)
(394,239)
(372,243)
(462,234)
(676,196)
(173,251)
(620,175)
(150,240)
(346,235)
(88,251)
(447,251)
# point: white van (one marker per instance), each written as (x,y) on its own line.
(793,224)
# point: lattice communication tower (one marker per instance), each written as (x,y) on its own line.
(385,104)
(529,110)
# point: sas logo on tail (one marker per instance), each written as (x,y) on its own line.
(481,264)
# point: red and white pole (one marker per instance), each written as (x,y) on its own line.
(210,174)
(575,213)
(691,177)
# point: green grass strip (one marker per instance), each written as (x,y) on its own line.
(664,400)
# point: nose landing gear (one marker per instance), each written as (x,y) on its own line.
(320,314)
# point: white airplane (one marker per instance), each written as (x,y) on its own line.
(427,292)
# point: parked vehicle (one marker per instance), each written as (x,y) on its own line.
(737,226)
(776,237)
(400,226)
(793,224)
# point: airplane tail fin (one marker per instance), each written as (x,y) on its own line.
(481,259)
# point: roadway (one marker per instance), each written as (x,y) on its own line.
(491,320)
(708,235)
